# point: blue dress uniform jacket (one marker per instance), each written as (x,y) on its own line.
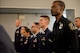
(42,39)
(63,32)
(33,44)
(23,45)
(17,39)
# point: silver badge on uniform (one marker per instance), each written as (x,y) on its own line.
(43,39)
(35,40)
(61,25)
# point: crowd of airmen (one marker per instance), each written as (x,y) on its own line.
(39,39)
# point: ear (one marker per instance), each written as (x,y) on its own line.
(62,9)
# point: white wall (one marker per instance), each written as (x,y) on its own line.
(26,3)
(8,21)
(73,4)
(70,4)
(30,18)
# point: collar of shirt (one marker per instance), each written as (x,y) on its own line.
(22,35)
(78,29)
(43,31)
(35,34)
(59,19)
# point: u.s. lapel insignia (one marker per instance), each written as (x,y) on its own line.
(61,25)
(43,32)
(31,36)
(71,26)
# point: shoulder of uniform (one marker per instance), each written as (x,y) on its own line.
(69,23)
(71,26)
(65,20)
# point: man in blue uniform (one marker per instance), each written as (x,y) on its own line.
(33,40)
(63,29)
(77,23)
(17,36)
(43,37)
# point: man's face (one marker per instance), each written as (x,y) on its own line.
(34,28)
(55,9)
(17,23)
(42,22)
(77,22)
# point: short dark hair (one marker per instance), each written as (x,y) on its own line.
(61,3)
(36,23)
(27,29)
(45,16)
(77,18)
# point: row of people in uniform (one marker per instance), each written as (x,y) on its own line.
(61,40)
(34,41)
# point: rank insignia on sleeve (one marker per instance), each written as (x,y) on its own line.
(72,27)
